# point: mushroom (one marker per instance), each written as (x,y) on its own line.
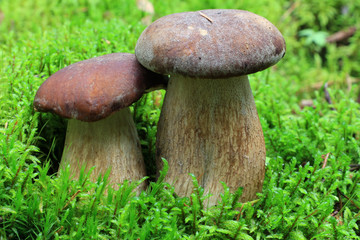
(95,95)
(209,125)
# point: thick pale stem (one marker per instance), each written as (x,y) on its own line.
(210,127)
(109,143)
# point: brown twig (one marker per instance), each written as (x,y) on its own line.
(12,131)
(296,186)
(340,201)
(341,35)
(240,212)
(290,10)
(334,213)
(326,157)
(354,167)
(321,222)
(342,194)
(72,198)
(16,175)
(59,230)
(307,103)
(291,228)
(315,167)
(205,16)
(311,214)
(327,95)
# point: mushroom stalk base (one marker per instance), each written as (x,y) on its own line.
(210,127)
(109,143)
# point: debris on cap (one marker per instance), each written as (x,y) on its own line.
(212,43)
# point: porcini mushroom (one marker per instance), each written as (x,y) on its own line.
(209,125)
(95,94)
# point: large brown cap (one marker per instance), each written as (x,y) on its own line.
(92,89)
(212,43)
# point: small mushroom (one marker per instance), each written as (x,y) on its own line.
(209,125)
(95,94)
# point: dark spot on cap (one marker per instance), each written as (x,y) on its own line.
(235,43)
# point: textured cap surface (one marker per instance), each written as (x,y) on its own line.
(92,89)
(212,43)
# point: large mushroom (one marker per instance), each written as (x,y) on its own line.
(95,94)
(209,125)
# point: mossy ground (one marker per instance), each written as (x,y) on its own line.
(311,189)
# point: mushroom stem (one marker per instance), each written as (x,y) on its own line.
(108,143)
(210,127)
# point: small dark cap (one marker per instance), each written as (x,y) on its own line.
(214,43)
(91,90)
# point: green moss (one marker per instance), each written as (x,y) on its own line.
(312,174)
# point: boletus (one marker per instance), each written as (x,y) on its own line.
(95,95)
(209,125)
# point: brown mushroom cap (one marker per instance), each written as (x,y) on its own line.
(214,43)
(92,89)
